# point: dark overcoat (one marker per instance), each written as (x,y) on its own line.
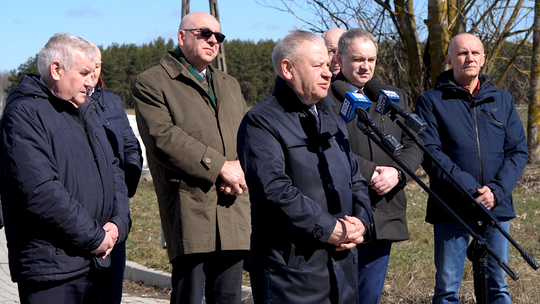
(301,179)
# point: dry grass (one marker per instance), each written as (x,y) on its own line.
(411,271)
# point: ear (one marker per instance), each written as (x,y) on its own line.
(483,60)
(449,61)
(181,38)
(339,59)
(56,70)
(286,69)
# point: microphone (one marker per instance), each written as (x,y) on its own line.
(355,104)
(387,101)
(351,103)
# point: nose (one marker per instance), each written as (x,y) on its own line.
(212,40)
(363,65)
(326,73)
(88,81)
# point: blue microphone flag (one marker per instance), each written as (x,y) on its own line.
(384,99)
(351,102)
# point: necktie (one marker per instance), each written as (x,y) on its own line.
(314,113)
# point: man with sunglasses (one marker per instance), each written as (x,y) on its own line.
(188,115)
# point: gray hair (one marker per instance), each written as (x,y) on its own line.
(61,48)
(289,47)
(350,35)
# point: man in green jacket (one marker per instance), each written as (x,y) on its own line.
(188,115)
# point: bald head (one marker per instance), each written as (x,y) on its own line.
(331,39)
(198,50)
(466,57)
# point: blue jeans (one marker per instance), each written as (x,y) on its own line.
(372,267)
(451,242)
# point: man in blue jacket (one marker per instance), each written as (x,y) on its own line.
(63,193)
(127,149)
(475,132)
(309,203)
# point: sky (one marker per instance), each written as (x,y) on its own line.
(27,25)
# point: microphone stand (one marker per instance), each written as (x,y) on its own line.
(478,249)
(479,241)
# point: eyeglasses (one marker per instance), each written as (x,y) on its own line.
(206,34)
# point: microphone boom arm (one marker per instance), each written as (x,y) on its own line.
(487,215)
(480,242)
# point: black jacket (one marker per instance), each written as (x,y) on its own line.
(479,140)
(301,180)
(123,141)
(60,184)
(389,210)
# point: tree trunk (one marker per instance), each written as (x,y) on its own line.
(406,22)
(439,37)
(533,123)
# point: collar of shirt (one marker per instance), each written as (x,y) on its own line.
(354,88)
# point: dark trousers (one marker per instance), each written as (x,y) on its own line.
(85,289)
(113,279)
(372,267)
(218,273)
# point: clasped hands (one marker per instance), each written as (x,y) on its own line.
(234,182)
(107,245)
(348,232)
(487,197)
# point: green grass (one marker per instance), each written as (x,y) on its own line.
(410,277)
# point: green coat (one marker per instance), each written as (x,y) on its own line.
(187,141)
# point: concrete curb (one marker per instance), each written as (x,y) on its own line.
(148,276)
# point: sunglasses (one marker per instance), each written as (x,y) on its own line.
(206,34)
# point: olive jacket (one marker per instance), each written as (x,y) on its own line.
(188,140)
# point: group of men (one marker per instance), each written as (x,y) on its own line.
(324,204)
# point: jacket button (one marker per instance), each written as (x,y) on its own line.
(350,185)
(208,160)
(320,149)
(318,232)
(355,259)
(373,208)
(330,186)
(334,262)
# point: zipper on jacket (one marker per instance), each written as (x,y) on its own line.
(492,117)
(480,171)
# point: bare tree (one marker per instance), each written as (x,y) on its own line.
(533,124)
(402,25)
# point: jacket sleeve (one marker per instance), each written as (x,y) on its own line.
(432,144)
(515,157)
(264,164)
(362,202)
(133,159)
(121,214)
(27,158)
(169,144)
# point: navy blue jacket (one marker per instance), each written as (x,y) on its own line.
(300,181)
(60,184)
(123,141)
(479,140)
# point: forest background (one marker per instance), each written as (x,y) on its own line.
(413,40)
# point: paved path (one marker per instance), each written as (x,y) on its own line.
(9,293)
